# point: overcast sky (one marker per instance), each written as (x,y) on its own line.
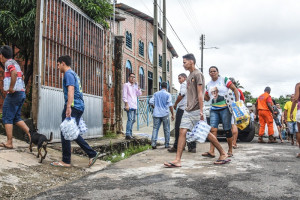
(258,40)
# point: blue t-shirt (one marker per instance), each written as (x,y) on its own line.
(72,79)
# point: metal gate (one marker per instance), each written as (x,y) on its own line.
(66,30)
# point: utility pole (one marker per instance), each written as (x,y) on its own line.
(202,43)
(164,49)
(155,54)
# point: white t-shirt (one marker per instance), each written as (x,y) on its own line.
(182,103)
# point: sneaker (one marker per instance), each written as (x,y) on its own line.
(192,150)
(172,150)
(153,147)
(272,139)
(261,140)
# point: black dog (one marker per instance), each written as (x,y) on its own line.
(41,141)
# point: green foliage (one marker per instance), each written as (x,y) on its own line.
(98,10)
(238,84)
(127,153)
(282,100)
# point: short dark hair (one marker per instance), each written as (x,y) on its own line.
(6,51)
(267,89)
(66,59)
(130,74)
(213,67)
(190,56)
(182,75)
(233,81)
(164,85)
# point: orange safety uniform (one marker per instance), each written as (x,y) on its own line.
(264,114)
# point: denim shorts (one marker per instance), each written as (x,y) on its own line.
(292,127)
(11,111)
(218,116)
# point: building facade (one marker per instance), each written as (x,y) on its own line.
(137,29)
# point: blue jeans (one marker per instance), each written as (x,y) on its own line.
(224,115)
(66,144)
(156,124)
(130,121)
(12,107)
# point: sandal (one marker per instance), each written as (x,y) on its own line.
(59,164)
(209,155)
(230,154)
(5,146)
(93,160)
(171,165)
(222,162)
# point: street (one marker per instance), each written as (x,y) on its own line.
(257,171)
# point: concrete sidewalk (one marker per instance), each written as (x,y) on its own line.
(146,131)
(23,176)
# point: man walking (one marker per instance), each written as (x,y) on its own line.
(130,93)
(291,122)
(162,102)
(194,112)
(15,88)
(74,107)
(181,104)
(265,113)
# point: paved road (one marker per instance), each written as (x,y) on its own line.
(257,171)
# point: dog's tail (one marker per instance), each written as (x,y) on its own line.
(51,137)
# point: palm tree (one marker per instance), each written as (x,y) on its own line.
(238,85)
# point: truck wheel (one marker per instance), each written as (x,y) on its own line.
(247,137)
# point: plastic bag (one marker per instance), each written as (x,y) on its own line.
(82,127)
(276,133)
(69,129)
(19,85)
(298,116)
(240,112)
(199,132)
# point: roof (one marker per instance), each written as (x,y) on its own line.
(142,15)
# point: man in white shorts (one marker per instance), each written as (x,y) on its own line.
(194,112)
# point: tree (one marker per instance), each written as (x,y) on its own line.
(248,96)
(238,84)
(98,10)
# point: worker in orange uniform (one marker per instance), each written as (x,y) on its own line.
(265,113)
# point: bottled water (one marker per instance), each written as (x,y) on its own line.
(82,127)
(69,129)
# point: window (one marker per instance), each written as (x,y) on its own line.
(160,81)
(142,78)
(141,48)
(128,69)
(160,60)
(128,40)
(168,86)
(168,66)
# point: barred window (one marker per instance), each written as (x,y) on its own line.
(128,69)
(168,86)
(160,81)
(160,60)
(141,48)
(128,40)
(168,66)
(142,78)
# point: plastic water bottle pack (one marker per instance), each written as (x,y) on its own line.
(199,132)
(82,127)
(69,129)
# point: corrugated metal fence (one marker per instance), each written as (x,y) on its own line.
(66,30)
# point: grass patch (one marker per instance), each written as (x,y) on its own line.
(127,153)
(109,135)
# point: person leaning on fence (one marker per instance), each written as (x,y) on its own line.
(162,102)
(180,104)
(265,113)
(15,88)
(74,107)
(194,112)
(130,93)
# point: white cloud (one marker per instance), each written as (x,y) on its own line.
(259,40)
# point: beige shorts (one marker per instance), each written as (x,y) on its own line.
(190,119)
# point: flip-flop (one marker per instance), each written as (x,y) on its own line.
(235,147)
(207,154)
(94,159)
(4,145)
(230,154)
(58,164)
(222,162)
(171,165)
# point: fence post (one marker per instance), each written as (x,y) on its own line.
(148,110)
(137,110)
